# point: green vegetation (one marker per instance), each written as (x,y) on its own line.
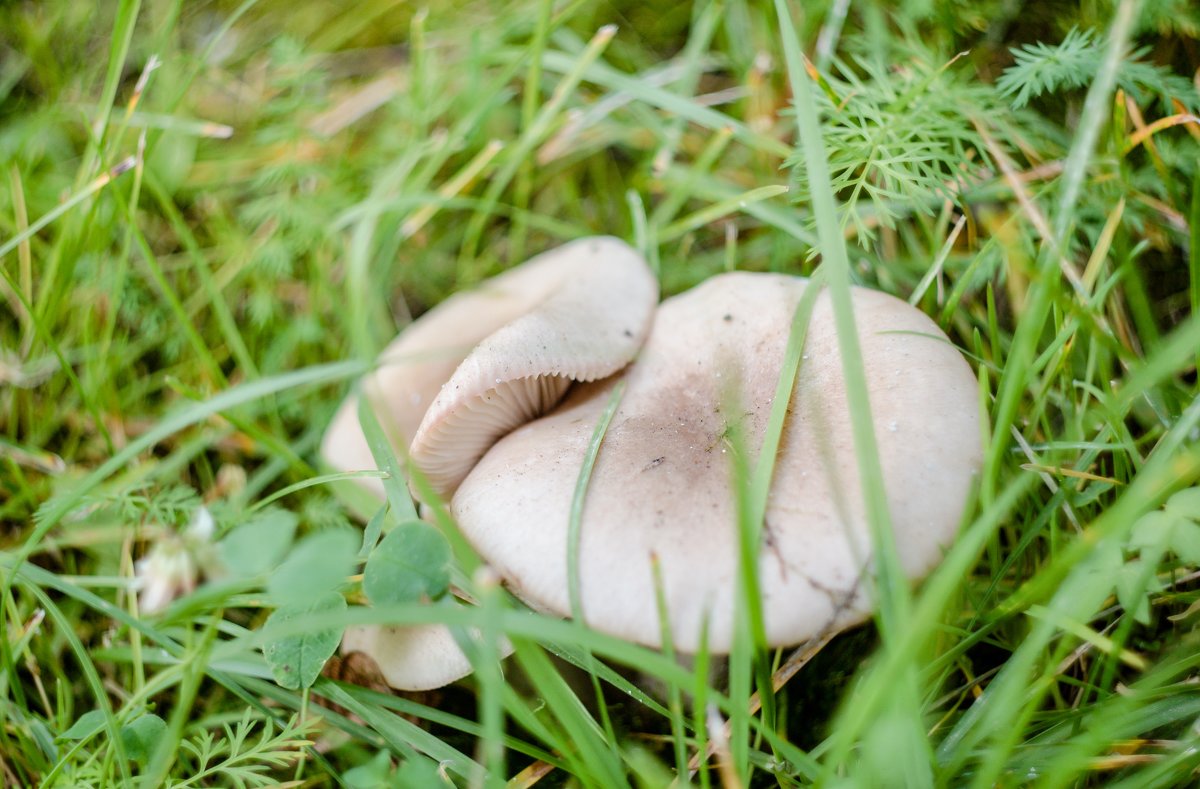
(214,215)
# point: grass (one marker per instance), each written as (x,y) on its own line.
(213,217)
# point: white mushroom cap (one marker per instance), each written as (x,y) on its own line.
(487,360)
(662,485)
(594,302)
(417,657)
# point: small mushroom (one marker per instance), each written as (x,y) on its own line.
(417,657)
(663,484)
(472,369)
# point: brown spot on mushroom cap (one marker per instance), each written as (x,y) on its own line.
(662,481)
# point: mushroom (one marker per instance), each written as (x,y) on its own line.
(417,657)
(473,368)
(662,485)
(487,360)
(590,311)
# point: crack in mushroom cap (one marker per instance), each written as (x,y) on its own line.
(662,485)
(537,296)
(595,305)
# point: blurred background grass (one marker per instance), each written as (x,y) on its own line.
(307,177)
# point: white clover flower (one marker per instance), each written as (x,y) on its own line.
(172,566)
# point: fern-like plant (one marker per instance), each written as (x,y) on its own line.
(1072,63)
(234,757)
(898,139)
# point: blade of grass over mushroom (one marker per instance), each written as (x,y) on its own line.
(891,587)
(491,681)
(764,467)
(907,755)
(748,654)
(753,488)
(674,697)
(574,530)
(385,457)
(579,499)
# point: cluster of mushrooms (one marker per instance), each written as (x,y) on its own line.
(497,393)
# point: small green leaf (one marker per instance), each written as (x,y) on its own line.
(375,774)
(317,565)
(140,737)
(1185,541)
(410,564)
(1186,503)
(296,660)
(1133,584)
(257,545)
(417,773)
(88,724)
(1152,530)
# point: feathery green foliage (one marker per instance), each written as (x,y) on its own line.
(1042,68)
